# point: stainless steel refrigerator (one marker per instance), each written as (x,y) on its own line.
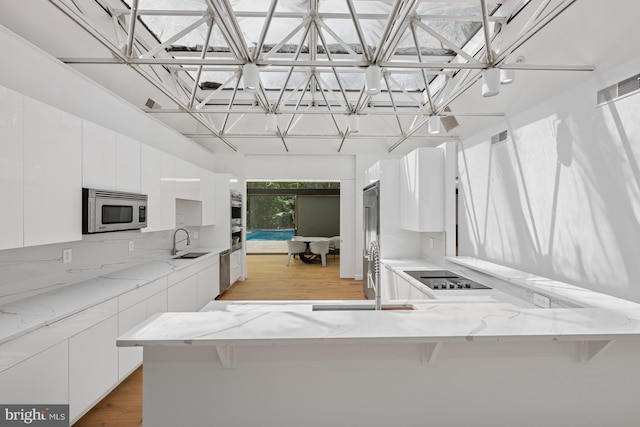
(371,228)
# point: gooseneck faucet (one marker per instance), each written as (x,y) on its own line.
(373,254)
(174,251)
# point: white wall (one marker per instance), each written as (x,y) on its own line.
(562,198)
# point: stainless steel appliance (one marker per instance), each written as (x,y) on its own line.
(104,211)
(225,271)
(236,220)
(371,231)
(444,279)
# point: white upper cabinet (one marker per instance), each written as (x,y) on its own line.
(11,168)
(127,164)
(422,190)
(208,197)
(157,182)
(110,161)
(98,157)
(187,180)
(52,175)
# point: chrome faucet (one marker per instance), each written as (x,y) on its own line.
(373,254)
(174,251)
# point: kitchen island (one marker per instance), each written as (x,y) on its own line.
(446,362)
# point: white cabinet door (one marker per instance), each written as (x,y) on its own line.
(157,303)
(93,365)
(52,175)
(187,180)
(98,157)
(151,185)
(43,378)
(235,261)
(422,190)
(11,168)
(206,288)
(182,295)
(130,357)
(208,196)
(127,164)
(168,199)
(158,183)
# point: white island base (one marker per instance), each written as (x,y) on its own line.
(534,383)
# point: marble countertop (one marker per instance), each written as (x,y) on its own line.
(275,323)
(23,316)
(443,319)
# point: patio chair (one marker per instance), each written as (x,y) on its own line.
(294,247)
(320,248)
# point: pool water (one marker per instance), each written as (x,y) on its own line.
(270,235)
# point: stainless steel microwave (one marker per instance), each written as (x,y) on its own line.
(104,211)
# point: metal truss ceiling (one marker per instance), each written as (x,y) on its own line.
(312,56)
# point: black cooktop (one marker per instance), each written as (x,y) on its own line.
(444,279)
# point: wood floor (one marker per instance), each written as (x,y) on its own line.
(268,278)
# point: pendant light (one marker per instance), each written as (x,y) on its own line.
(507,76)
(491,82)
(272,123)
(354,123)
(251,78)
(373,75)
(433,127)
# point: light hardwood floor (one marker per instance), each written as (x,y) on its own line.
(268,278)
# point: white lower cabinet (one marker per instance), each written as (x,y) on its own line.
(207,287)
(157,303)
(235,265)
(182,295)
(43,378)
(93,365)
(130,357)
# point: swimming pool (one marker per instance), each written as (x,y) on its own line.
(270,235)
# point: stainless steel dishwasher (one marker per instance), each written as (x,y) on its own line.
(225,270)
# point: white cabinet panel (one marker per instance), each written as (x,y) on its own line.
(98,157)
(151,185)
(11,168)
(52,175)
(187,180)
(235,261)
(44,378)
(127,164)
(157,181)
(206,288)
(208,196)
(422,190)
(157,303)
(168,184)
(182,295)
(93,365)
(130,357)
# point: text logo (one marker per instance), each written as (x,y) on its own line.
(34,415)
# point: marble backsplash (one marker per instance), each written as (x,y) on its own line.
(29,271)
(432,245)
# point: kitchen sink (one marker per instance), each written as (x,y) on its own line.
(192,255)
(359,307)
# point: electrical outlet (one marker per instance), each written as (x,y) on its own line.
(66,256)
(131,246)
(431,242)
(195,234)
